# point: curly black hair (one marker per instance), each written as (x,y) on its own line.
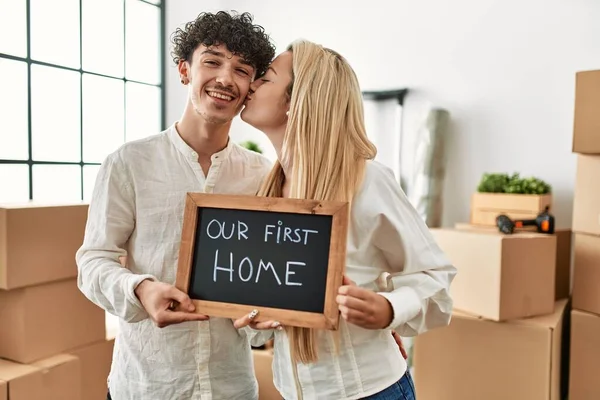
(237,32)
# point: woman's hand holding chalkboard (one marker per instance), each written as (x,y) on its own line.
(248,320)
(158,299)
(363,307)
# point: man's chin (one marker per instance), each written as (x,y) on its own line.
(216,118)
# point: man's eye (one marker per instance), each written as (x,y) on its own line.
(265,80)
(210,62)
(243,71)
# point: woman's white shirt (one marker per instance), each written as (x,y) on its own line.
(385,233)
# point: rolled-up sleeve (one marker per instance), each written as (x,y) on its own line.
(421,273)
(111,220)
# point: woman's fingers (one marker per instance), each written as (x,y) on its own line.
(248,320)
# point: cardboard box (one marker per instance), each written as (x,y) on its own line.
(474,358)
(39,321)
(586,123)
(586,273)
(485,207)
(38,243)
(500,277)
(585,356)
(263,360)
(3,390)
(54,378)
(562,280)
(96,360)
(586,203)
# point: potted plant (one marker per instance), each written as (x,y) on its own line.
(517,197)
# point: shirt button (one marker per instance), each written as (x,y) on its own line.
(194,154)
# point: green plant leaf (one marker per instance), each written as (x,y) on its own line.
(504,183)
(250,145)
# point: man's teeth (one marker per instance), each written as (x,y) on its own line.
(220,96)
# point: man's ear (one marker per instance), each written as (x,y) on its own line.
(184,68)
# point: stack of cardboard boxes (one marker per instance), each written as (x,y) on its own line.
(53,342)
(585,318)
(513,333)
(505,340)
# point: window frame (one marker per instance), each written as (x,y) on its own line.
(29,61)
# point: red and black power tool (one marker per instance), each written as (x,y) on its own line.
(544,223)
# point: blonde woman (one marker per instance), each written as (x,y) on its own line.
(309,105)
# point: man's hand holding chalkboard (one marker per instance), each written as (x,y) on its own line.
(363,307)
(166,304)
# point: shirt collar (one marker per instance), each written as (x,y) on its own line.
(188,152)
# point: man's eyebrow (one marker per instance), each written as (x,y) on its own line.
(220,54)
(246,62)
(213,52)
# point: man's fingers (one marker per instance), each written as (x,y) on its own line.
(185,303)
(175,317)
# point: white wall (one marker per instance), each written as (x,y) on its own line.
(504,69)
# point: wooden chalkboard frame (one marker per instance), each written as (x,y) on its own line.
(329,318)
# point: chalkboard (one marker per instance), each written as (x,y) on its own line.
(283,257)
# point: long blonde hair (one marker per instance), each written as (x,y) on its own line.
(325,144)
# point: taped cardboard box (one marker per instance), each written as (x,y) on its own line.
(43,320)
(586,121)
(54,378)
(485,207)
(586,273)
(474,358)
(95,360)
(562,280)
(38,242)
(586,201)
(585,356)
(500,277)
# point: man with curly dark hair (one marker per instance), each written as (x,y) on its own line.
(164,350)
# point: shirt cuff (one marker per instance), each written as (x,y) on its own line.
(132,283)
(405,305)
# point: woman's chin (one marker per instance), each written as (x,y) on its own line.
(244,115)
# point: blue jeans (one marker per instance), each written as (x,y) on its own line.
(404,389)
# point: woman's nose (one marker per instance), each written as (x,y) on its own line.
(255,85)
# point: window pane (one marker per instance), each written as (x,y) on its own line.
(14,183)
(55,114)
(142,27)
(103,116)
(143,111)
(103,45)
(57,183)
(13,110)
(13,28)
(89,180)
(55,39)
